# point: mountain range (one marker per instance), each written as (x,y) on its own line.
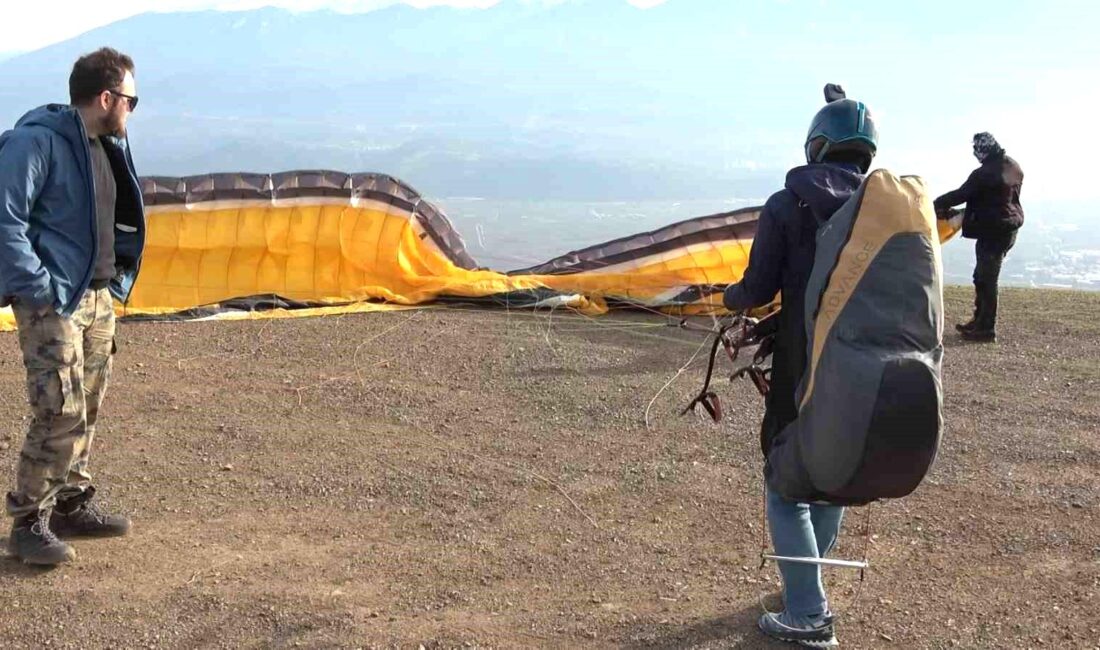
(577,100)
(516,101)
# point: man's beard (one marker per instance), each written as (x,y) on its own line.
(114,123)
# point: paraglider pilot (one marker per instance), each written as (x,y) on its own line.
(839,147)
(992,217)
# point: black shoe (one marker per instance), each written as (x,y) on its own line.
(33,542)
(967,326)
(980,336)
(78,517)
(812,633)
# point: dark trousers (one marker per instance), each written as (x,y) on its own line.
(990,253)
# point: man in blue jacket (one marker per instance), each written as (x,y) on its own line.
(993,215)
(841,143)
(72,230)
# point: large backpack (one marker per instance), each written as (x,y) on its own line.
(870,401)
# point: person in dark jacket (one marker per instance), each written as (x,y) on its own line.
(993,215)
(840,145)
(72,230)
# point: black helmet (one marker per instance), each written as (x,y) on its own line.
(842,125)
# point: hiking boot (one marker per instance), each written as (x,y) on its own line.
(980,336)
(967,326)
(807,632)
(33,542)
(77,516)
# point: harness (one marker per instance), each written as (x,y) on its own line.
(743,331)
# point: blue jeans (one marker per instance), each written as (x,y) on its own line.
(802,530)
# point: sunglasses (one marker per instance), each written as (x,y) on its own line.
(132,100)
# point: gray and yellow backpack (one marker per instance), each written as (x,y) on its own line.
(870,402)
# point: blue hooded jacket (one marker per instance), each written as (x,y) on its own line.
(781,259)
(48,229)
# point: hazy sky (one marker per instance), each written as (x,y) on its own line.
(1029,71)
(31,25)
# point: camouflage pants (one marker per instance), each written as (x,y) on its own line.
(68,363)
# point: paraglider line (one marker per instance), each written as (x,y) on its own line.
(679,372)
(357,372)
(516,468)
(225,355)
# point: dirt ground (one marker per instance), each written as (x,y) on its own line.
(460,478)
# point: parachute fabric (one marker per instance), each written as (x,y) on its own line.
(223,244)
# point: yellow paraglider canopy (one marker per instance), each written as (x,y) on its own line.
(226,244)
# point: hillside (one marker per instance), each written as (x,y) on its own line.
(449,477)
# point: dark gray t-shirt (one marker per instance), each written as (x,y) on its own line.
(105,194)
